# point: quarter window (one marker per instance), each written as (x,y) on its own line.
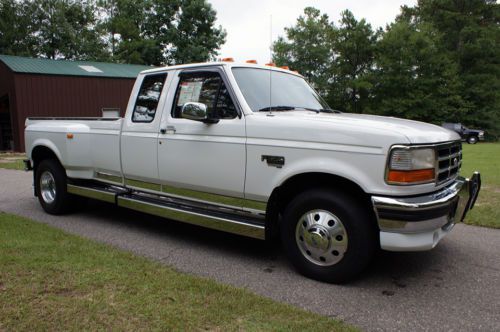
(207,88)
(148,97)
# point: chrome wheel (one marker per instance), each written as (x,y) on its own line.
(47,187)
(321,237)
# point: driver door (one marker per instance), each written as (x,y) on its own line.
(200,160)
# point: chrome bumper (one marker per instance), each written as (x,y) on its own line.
(418,223)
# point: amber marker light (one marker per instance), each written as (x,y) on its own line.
(227,60)
(285,67)
(414,176)
(252,61)
(69,136)
(271,64)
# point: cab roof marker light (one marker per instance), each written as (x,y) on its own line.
(285,67)
(252,61)
(227,60)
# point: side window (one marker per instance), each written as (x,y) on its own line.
(148,97)
(207,88)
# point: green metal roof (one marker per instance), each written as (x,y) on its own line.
(72,68)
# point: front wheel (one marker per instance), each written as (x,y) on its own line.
(328,235)
(51,187)
(472,140)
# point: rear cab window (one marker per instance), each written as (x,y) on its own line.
(148,97)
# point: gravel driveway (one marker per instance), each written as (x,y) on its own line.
(453,287)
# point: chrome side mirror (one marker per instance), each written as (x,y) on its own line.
(197,112)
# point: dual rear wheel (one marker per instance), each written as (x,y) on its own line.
(51,187)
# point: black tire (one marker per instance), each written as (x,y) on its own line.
(472,140)
(358,227)
(62,201)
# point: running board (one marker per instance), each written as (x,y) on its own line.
(227,220)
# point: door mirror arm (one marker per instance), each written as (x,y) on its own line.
(211,121)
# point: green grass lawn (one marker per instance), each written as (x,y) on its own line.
(51,280)
(484,157)
(12,160)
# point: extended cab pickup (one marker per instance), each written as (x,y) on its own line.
(471,136)
(254,150)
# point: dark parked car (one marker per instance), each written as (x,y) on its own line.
(471,136)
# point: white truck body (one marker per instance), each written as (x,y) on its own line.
(225,163)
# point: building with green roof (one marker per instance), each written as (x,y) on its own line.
(43,87)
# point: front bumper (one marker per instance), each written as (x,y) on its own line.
(419,223)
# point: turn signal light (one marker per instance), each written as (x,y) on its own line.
(420,175)
(227,60)
(251,61)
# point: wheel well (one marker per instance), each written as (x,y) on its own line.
(39,154)
(283,194)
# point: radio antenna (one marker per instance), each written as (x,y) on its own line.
(270,61)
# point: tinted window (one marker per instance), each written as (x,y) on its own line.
(148,97)
(287,89)
(207,88)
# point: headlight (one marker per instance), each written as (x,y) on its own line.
(411,165)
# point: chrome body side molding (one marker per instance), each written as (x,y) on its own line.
(209,198)
(108,177)
(223,201)
(149,186)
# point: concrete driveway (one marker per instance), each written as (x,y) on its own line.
(454,287)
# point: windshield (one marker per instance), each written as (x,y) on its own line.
(288,91)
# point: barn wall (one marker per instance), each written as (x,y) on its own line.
(7,88)
(5,79)
(67,96)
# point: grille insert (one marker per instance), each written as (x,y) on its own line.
(449,161)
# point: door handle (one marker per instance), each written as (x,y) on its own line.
(167,130)
(170,130)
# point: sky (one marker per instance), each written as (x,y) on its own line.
(248,23)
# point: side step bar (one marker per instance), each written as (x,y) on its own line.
(219,218)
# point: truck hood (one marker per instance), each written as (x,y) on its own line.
(413,132)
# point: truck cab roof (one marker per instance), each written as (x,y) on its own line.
(226,64)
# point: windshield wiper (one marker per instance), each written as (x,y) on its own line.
(277,108)
(323,110)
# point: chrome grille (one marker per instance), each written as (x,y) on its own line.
(449,161)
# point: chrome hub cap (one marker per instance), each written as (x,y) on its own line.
(321,237)
(47,187)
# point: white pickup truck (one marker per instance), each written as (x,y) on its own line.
(254,150)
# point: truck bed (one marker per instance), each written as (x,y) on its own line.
(75,141)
